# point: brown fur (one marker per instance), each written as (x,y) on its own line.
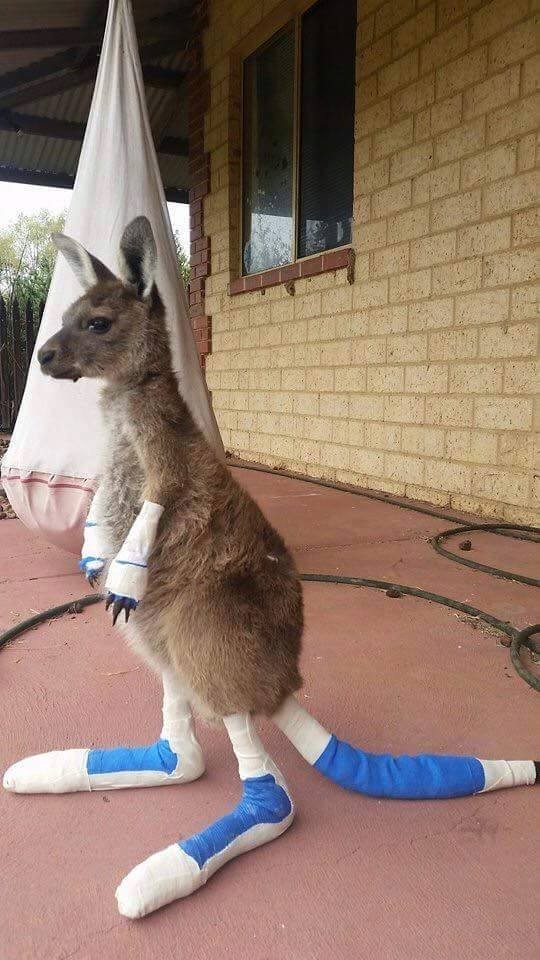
(223,603)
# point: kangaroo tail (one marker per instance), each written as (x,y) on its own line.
(423,777)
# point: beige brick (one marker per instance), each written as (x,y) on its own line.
(375,176)
(410,162)
(468,138)
(393,137)
(321,328)
(386,320)
(521,376)
(471,446)
(451,10)
(293,379)
(514,119)
(336,354)
(294,332)
(403,409)
(513,266)
(426,378)
(362,157)
(372,294)
(449,411)
(517,340)
(260,380)
(494,17)
(374,57)
(406,226)
(476,378)
(316,428)
(371,236)
(527,152)
(487,306)
(306,403)
(410,348)
(436,184)
(375,118)
(368,462)
(514,45)
(517,450)
(334,405)
(457,210)
(394,259)
(392,13)
(367,408)
(442,475)
(525,302)
(410,286)
(414,97)
(492,93)
(500,485)
(484,238)
(401,467)
(335,456)
(320,379)
(530,74)
(425,440)
(431,314)
(391,199)
(398,73)
(365,32)
(383,436)
(461,73)
(414,31)
(350,380)
(444,47)
(445,114)
(457,277)
(369,350)
(385,379)
(453,344)
(270,336)
(336,300)
(308,305)
(497,413)
(488,166)
(430,250)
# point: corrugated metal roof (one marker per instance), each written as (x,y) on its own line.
(44,154)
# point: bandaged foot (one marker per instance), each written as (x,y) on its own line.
(128,573)
(96,549)
(175,758)
(263,814)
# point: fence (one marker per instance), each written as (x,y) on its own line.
(19,323)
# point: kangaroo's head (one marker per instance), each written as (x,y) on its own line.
(115,330)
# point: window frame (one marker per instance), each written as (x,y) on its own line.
(296,21)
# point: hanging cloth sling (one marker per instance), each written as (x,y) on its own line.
(54,456)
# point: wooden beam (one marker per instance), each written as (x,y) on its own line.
(64,60)
(68,130)
(43,178)
(87,74)
(84,36)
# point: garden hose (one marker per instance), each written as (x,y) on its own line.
(515,638)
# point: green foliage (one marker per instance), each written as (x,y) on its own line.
(183,259)
(27,257)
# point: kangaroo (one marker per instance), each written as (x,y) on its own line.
(206,592)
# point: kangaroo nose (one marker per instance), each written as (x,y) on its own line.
(45,356)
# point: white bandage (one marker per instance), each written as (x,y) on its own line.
(303,730)
(128,573)
(508,773)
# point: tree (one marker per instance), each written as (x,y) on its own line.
(27,257)
(182,258)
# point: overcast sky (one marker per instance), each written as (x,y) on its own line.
(18,198)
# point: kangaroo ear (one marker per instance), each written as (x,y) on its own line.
(87,268)
(138,256)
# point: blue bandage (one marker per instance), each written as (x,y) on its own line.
(155,756)
(423,777)
(263,801)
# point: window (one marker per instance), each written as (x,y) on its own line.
(298,139)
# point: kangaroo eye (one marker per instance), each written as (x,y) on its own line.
(99,324)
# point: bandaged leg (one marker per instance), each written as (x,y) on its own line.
(175,758)
(421,777)
(127,578)
(264,812)
(96,548)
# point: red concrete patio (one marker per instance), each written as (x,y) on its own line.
(354,877)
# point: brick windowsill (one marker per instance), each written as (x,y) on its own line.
(310,267)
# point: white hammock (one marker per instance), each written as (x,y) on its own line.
(55,452)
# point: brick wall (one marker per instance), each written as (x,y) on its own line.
(419,378)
